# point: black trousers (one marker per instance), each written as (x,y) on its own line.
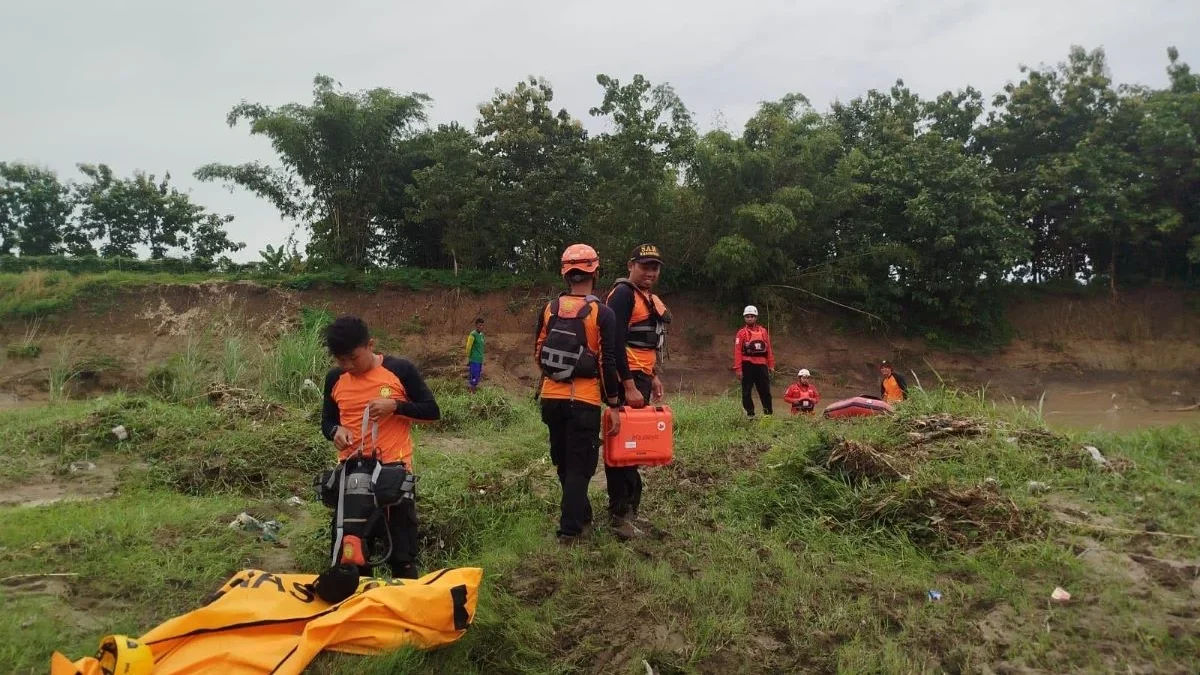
(624,482)
(400,521)
(574,449)
(758,377)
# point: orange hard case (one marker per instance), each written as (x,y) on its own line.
(645,438)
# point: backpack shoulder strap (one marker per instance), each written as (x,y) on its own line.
(619,283)
(637,293)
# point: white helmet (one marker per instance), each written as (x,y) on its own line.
(750,309)
(804,373)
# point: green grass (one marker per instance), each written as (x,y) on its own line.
(41,292)
(776,560)
(23,350)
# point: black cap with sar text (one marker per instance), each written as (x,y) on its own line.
(645,253)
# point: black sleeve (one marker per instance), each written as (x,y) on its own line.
(421,405)
(621,304)
(608,352)
(903,384)
(330,416)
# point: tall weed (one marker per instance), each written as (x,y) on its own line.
(235,362)
(294,369)
(185,376)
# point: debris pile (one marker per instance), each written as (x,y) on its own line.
(954,514)
(933,427)
(892,490)
(244,402)
(864,461)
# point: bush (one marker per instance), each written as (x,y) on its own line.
(487,408)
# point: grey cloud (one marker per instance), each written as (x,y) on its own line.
(146,85)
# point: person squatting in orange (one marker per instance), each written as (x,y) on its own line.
(576,350)
(392,393)
(640,317)
(802,395)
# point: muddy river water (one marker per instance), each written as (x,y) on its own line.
(1074,409)
(1065,407)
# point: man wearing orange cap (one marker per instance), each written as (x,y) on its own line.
(576,350)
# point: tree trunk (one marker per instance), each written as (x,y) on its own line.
(1112,268)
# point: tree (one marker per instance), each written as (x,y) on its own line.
(108,213)
(210,240)
(537,175)
(448,200)
(337,156)
(638,163)
(1032,139)
(123,214)
(35,209)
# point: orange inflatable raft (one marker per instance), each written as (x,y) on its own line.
(859,406)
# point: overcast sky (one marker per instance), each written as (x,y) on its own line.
(146,85)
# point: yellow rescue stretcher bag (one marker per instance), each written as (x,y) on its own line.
(260,623)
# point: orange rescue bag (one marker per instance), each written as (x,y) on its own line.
(645,437)
(274,624)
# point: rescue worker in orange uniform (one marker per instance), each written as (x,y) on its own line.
(639,335)
(892,388)
(754,361)
(802,395)
(391,393)
(576,350)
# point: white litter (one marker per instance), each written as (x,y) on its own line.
(1060,594)
(1096,456)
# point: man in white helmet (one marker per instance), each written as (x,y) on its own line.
(802,395)
(753,361)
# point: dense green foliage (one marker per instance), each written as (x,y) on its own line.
(917,210)
(106,215)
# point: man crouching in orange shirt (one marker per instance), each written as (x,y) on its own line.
(391,393)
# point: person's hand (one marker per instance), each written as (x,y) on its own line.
(342,438)
(381,407)
(633,397)
(614,421)
(656,390)
(738,373)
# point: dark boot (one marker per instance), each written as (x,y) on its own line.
(625,530)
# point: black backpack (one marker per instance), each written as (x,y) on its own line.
(565,354)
